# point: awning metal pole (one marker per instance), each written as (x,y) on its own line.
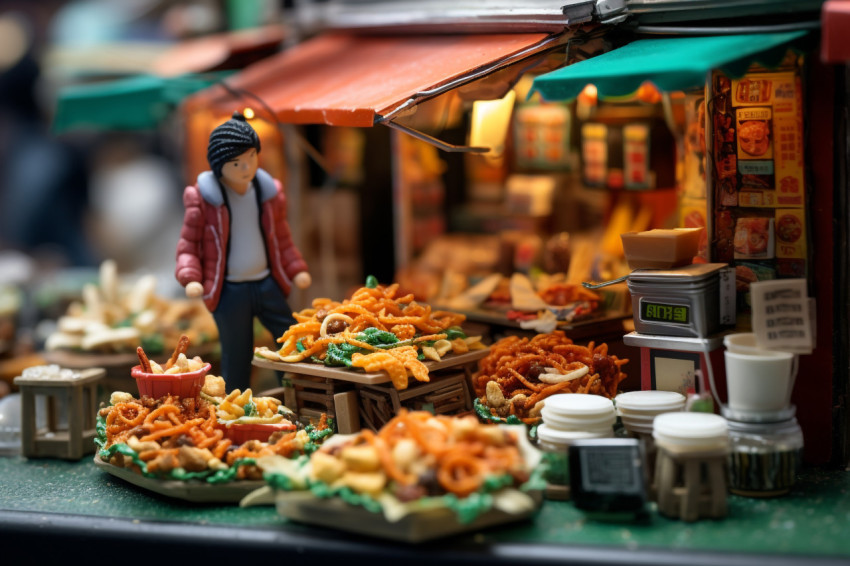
(445,146)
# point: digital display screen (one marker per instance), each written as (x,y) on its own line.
(660,312)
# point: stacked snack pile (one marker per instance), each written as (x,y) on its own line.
(190,437)
(112,318)
(418,459)
(520,373)
(374,330)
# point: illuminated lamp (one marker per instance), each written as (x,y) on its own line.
(490,121)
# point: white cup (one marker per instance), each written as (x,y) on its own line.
(762,382)
(743,343)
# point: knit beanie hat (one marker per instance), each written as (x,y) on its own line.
(229,140)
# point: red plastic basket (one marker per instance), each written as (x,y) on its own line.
(240,433)
(158,385)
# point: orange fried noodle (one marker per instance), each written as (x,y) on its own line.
(515,364)
(462,460)
(377,307)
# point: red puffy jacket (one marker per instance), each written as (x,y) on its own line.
(202,249)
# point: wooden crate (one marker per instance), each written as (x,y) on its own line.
(356,398)
(447,393)
(309,397)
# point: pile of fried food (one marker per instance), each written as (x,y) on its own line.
(187,438)
(114,319)
(177,363)
(562,294)
(518,374)
(374,330)
(415,457)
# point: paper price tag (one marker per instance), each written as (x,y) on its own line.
(782,315)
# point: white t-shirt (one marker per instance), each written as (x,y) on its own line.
(247,259)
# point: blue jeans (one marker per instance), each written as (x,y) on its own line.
(234,316)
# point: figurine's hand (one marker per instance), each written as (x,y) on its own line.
(194,290)
(302,280)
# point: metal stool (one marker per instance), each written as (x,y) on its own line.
(79,397)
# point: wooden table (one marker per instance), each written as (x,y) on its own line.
(312,389)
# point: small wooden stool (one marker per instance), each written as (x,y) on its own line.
(79,396)
(691,484)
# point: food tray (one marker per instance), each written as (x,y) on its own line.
(494,317)
(194,491)
(357,376)
(419,526)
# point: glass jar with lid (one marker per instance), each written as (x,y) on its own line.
(765,457)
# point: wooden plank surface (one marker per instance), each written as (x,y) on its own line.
(357,376)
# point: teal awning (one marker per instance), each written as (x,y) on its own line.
(676,63)
(135,103)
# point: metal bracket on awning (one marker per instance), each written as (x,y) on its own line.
(439,144)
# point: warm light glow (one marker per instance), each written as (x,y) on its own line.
(248,113)
(648,93)
(490,121)
(590,91)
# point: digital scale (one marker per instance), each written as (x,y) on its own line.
(678,313)
(694,300)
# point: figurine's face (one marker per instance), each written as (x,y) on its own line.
(239,171)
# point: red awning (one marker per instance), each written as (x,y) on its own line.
(351,80)
(835,25)
(217,52)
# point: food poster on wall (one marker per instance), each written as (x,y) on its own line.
(759,197)
(617,156)
(693,198)
(542,137)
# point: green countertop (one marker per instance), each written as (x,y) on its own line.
(812,521)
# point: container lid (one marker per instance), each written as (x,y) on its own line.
(684,274)
(791,426)
(690,426)
(759,416)
(577,422)
(578,404)
(556,436)
(630,418)
(649,401)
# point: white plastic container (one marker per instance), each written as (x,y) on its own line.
(759,383)
(638,409)
(648,403)
(569,417)
(577,411)
(691,432)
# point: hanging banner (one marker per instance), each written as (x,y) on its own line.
(769,139)
(758,177)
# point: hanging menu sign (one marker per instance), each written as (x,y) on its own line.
(768,139)
(758,183)
(782,315)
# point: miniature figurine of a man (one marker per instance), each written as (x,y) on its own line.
(236,250)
